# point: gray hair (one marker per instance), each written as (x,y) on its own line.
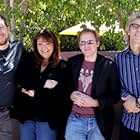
(132,17)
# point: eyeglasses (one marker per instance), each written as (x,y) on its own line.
(135,25)
(88,42)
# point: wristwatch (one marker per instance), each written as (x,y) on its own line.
(138,102)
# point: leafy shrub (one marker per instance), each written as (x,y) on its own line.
(112,41)
(109,42)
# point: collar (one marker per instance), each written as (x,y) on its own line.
(128,51)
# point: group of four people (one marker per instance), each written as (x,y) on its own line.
(52,98)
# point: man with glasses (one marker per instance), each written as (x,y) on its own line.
(128,63)
(10,53)
(95,88)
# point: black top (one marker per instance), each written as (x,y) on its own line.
(48,104)
(105,88)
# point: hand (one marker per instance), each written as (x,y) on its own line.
(31,93)
(130,104)
(83,100)
(50,84)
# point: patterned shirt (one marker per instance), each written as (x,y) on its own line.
(129,69)
(85,86)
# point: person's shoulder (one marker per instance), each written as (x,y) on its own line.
(62,63)
(26,57)
(105,60)
(27,54)
(16,43)
(123,52)
(76,58)
(16,47)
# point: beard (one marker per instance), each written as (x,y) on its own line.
(4,42)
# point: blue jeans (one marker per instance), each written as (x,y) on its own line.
(82,128)
(34,130)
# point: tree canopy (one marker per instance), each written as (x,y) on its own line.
(26,17)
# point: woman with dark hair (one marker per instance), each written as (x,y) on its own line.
(40,101)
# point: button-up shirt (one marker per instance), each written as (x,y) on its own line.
(129,70)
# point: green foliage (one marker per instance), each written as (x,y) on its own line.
(109,41)
(61,14)
(2,7)
(69,43)
(112,41)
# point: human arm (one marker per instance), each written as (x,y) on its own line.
(129,103)
(30,93)
(83,100)
(25,79)
(108,87)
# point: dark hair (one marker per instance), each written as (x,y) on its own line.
(86,30)
(49,36)
(4,19)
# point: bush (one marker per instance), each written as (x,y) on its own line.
(112,41)
(69,43)
(109,42)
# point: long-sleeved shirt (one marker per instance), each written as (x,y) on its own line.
(129,70)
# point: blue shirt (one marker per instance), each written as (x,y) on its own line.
(129,70)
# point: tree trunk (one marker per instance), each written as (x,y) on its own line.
(23,9)
(7,4)
(12,36)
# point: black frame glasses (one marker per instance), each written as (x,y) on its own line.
(135,25)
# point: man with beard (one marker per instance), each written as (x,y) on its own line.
(10,53)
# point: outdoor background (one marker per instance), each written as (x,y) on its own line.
(26,17)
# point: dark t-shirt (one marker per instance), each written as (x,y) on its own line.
(85,86)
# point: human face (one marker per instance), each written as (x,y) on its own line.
(88,45)
(134,31)
(3,33)
(45,48)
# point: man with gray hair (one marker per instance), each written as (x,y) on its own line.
(10,53)
(128,63)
